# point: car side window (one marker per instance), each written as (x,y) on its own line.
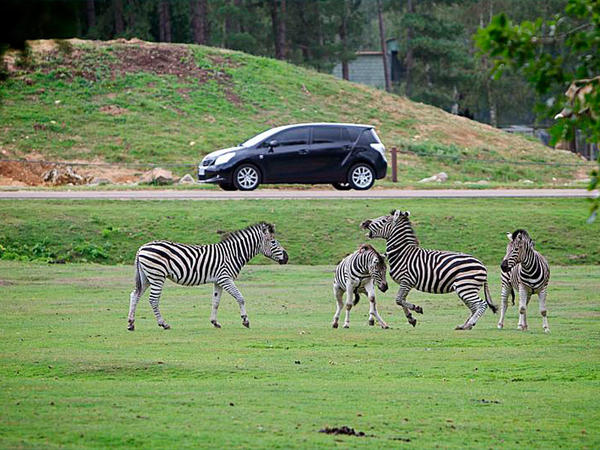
(326,135)
(295,136)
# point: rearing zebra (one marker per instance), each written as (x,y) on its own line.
(359,273)
(525,270)
(432,271)
(191,265)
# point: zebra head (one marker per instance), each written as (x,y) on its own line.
(270,247)
(519,244)
(384,226)
(377,271)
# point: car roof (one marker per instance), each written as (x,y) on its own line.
(312,124)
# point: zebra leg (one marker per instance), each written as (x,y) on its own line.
(217,291)
(524,295)
(134,298)
(401,301)
(156,286)
(373,307)
(504,298)
(338,293)
(232,289)
(349,301)
(543,311)
(477,307)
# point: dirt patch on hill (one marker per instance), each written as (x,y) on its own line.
(70,58)
(113,110)
(30,173)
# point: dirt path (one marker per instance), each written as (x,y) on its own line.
(293,194)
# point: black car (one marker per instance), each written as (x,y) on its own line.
(345,155)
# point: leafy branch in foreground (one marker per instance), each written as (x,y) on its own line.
(552,55)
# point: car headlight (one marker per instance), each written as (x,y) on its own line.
(224,158)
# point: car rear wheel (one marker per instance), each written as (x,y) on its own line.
(361,176)
(342,186)
(227,187)
(246,177)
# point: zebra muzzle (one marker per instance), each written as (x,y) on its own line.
(284,259)
(504,266)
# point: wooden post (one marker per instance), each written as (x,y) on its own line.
(394,165)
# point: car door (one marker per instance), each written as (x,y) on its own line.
(288,161)
(330,146)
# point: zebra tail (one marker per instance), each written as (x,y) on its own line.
(138,274)
(512,295)
(356,297)
(488,298)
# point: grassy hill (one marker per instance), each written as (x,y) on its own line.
(133,101)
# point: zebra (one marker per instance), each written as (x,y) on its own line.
(432,271)
(359,273)
(525,270)
(192,265)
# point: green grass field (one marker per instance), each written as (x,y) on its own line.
(313,231)
(104,101)
(73,377)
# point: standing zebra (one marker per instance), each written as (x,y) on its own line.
(191,265)
(359,273)
(525,270)
(432,271)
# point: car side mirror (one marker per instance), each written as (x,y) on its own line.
(272,144)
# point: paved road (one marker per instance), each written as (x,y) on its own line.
(295,194)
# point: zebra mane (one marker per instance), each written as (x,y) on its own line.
(369,247)
(228,235)
(522,232)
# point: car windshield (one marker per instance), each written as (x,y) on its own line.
(260,137)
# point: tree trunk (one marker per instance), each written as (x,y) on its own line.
(118,10)
(488,82)
(91,14)
(408,61)
(199,14)
(343,32)
(282,30)
(386,72)
(164,17)
(275,26)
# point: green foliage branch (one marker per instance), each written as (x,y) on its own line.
(551,54)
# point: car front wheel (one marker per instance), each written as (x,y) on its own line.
(361,177)
(246,177)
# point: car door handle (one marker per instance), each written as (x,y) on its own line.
(303,152)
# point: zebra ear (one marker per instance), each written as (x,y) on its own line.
(509,236)
(407,214)
(397,214)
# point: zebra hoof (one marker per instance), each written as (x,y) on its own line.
(413,322)
(371,322)
(346,325)
(246,324)
(215,324)
(500,326)
(166,326)
(334,325)
(418,309)
(131,327)
(385,326)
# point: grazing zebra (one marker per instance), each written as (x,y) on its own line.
(359,273)
(525,270)
(432,271)
(191,265)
